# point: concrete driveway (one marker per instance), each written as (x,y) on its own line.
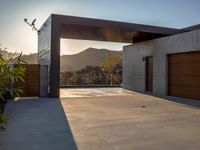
(126,121)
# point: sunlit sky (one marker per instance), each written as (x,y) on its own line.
(17,36)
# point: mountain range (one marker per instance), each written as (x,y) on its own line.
(88,57)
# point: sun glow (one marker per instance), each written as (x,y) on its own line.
(71,46)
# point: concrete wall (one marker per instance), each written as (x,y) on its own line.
(55,58)
(49,52)
(44,56)
(44,43)
(134,67)
(185,42)
(44,81)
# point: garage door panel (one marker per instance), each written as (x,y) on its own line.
(185,69)
(187,92)
(192,57)
(184,75)
(184,78)
(185,84)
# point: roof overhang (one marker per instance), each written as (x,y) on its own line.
(72,27)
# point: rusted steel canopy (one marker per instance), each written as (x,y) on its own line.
(103,30)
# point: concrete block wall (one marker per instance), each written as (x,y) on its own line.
(134,67)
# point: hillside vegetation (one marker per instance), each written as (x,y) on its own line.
(89,67)
(88,57)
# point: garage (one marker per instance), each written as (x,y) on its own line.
(184,75)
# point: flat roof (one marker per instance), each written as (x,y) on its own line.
(73,27)
(195,27)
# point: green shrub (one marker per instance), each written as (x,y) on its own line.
(3,122)
(10,72)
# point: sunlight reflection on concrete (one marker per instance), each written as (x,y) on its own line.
(92,92)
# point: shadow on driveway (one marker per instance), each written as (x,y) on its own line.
(37,124)
(188,102)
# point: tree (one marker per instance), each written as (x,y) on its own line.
(69,78)
(111,68)
(109,72)
(74,78)
(86,76)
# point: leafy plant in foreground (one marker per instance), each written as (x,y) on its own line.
(11,71)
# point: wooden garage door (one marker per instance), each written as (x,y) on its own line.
(31,86)
(184,75)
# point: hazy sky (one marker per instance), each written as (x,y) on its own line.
(17,36)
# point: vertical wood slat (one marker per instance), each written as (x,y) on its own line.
(31,86)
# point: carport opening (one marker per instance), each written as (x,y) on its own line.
(72,27)
(89,64)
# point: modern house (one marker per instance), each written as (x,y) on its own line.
(155,62)
(165,66)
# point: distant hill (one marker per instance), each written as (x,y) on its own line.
(7,54)
(90,56)
(31,58)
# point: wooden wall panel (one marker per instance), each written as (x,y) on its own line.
(31,86)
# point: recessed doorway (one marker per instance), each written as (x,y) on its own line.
(149,74)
